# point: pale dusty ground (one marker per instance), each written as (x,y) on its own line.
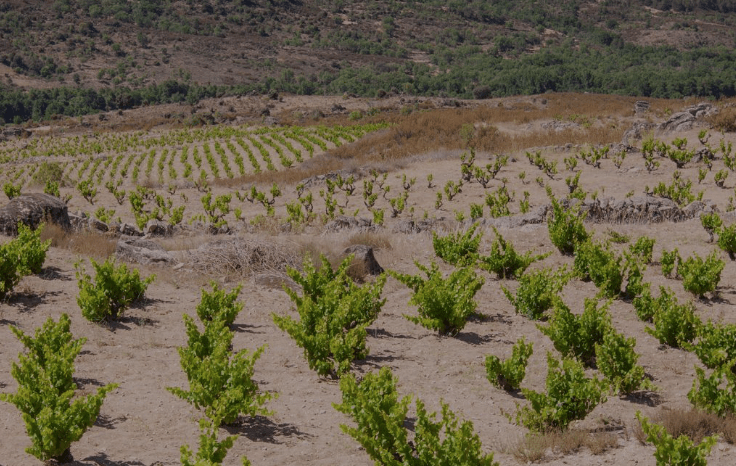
(143,424)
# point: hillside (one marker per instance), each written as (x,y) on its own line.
(85,56)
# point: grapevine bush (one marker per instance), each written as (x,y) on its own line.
(46,388)
(504,261)
(570,396)
(381,419)
(717,393)
(616,359)
(508,374)
(219,305)
(211,452)
(113,290)
(219,381)
(576,336)
(675,324)
(334,314)
(23,255)
(672,451)
(716,344)
(537,291)
(458,249)
(444,304)
(566,228)
(701,276)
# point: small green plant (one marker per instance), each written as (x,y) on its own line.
(679,191)
(672,451)
(219,305)
(114,289)
(23,255)
(11,190)
(381,419)
(334,314)
(537,291)
(597,262)
(87,190)
(508,374)
(498,202)
(566,228)
(211,452)
(720,178)
(219,381)
(459,249)
(444,304)
(675,324)
(46,388)
(670,261)
(504,261)
(618,238)
(701,276)
(712,223)
(576,336)
(727,240)
(616,359)
(717,393)
(570,396)
(643,249)
(716,344)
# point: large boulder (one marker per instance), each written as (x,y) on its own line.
(33,209)
(363,255)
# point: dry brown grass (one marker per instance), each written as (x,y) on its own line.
(86,243)
(243,256)
(693,423)
(376,240)
(534,447)
(725,120)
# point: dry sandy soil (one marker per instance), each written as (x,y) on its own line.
(143,424)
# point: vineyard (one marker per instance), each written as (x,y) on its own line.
(512,322)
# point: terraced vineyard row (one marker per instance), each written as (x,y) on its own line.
(175,156)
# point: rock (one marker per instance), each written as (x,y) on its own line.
(31,210)
(276,281)
(134,249)
(364,256)
(681,121)
(78,222)
(158,228)
(641,107)
(636,132)
(343,222)
(129,230)
(640,209)
(97,225)
(516,221)
(409,226)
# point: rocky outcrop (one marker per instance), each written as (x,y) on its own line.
(142,251)
(158,228)
(641,107)
(31,210)
(636,132)
(641,209)
(409,226)
(516,221)
(344,222)
(363,257)
(685,120)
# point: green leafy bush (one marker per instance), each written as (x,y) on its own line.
(643,249)
(711,223)
(566,227)
(114,290)
(504,261)
(716,344)
(459,249)
(570,396)
(219,305)
(23,255)
(46,388)
(444,304)
(596,262)
(679,191)
(675,324)
(537,291)
(219,381)
(701,276)
(210,452)
(11,190)
(334,314)
(727,240)
(509,373)
(381,419)
(672,451)
(670,261)
(717,393)
(576,336)
(616,359)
